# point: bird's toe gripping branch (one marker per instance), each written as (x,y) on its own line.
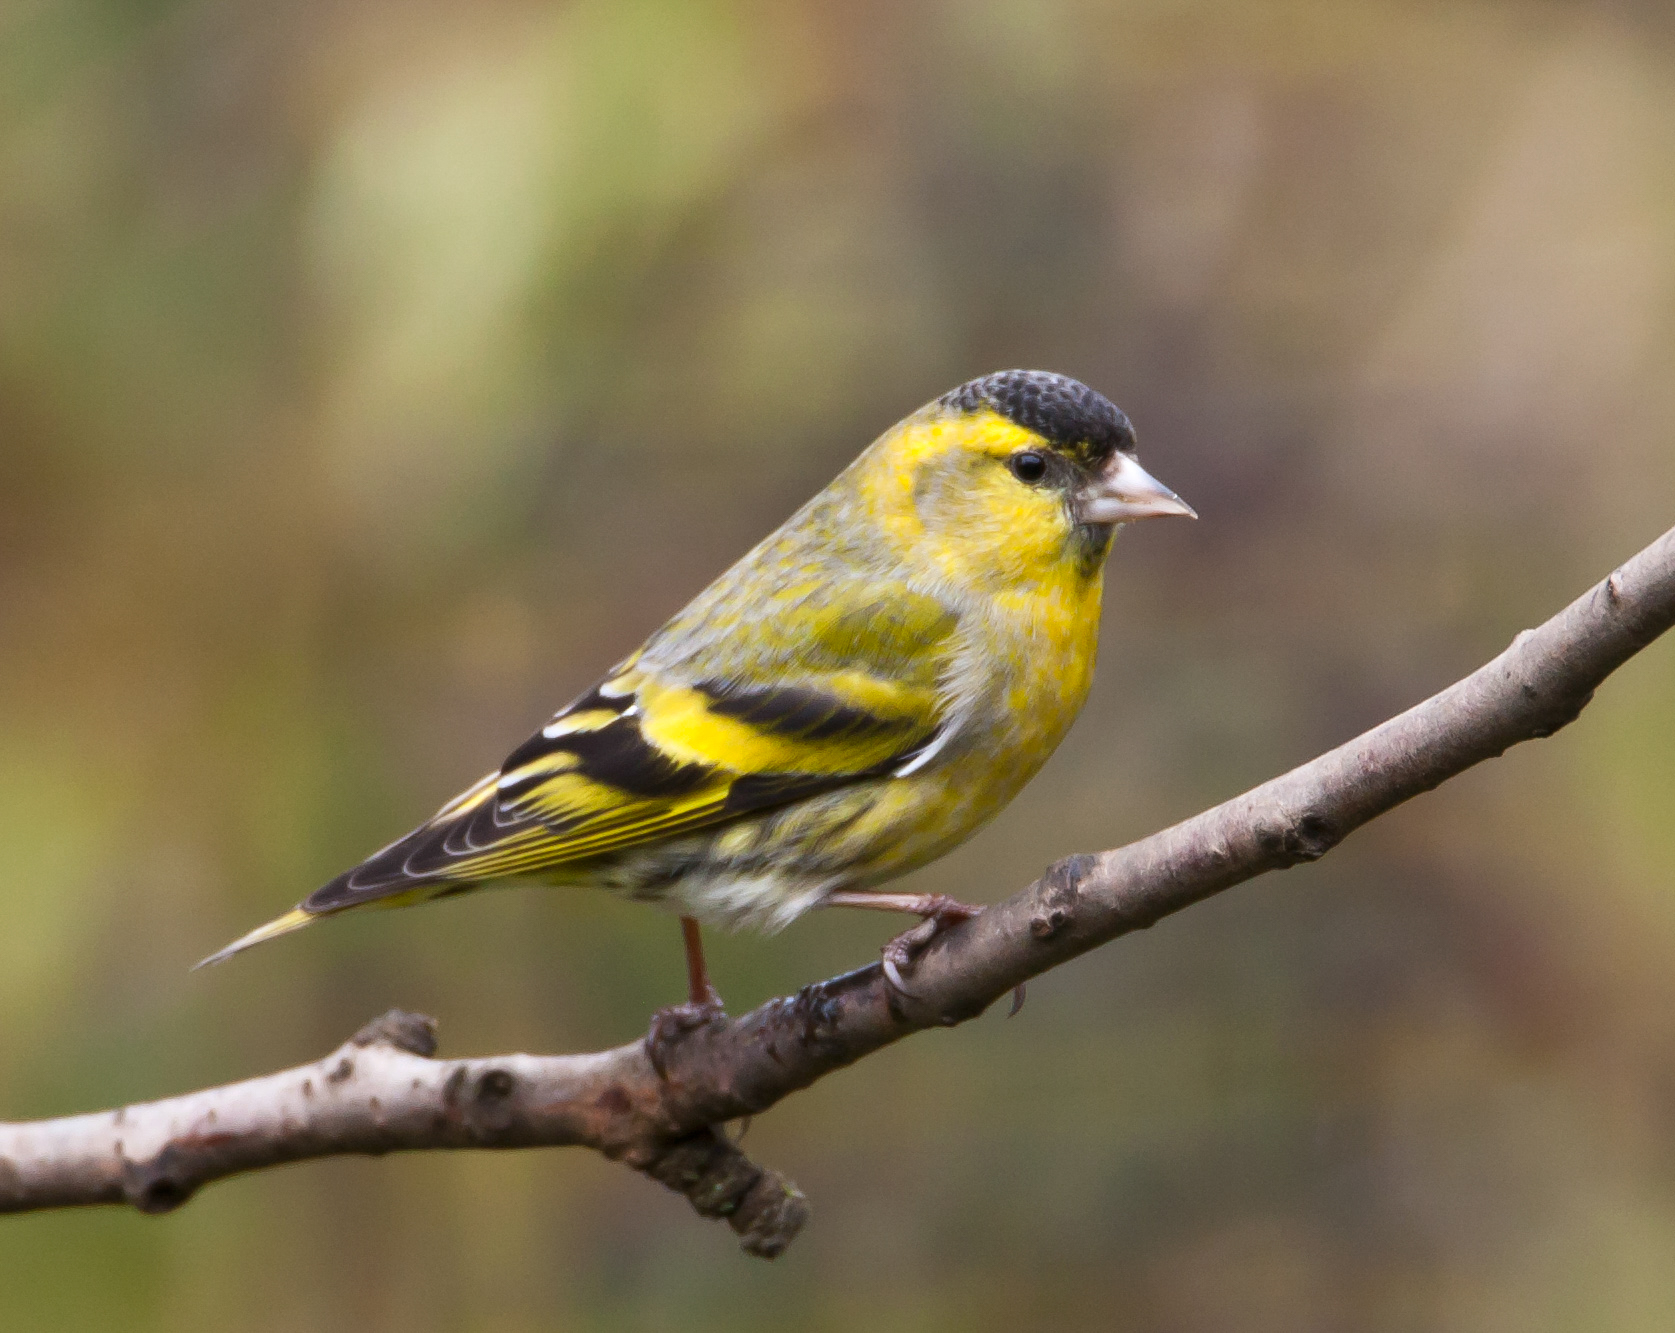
(672,1024)
(937,912)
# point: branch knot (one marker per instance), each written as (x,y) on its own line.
(1060,895)
(158,1185)
(1287,838)
(410,1032)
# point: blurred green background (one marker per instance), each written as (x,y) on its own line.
(374,374)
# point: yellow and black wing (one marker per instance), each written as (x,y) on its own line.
(640,758)
(661,748)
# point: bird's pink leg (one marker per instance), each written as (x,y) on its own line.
(698,988)
(931,906)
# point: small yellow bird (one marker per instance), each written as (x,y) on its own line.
(851,700)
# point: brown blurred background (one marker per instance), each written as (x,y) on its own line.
(373,374)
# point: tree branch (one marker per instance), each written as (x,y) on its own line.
(383,1091)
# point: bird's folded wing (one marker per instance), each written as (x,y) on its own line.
(647,754)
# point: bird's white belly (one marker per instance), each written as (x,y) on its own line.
(767,901)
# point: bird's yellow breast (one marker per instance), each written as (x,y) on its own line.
(1042,643)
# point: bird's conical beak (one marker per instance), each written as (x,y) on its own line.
(1125,491)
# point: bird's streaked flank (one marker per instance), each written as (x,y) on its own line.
(854,698)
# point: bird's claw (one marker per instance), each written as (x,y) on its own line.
(670,1026)
(941,912)
(898,955)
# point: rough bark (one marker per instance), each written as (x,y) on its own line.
(385,1091)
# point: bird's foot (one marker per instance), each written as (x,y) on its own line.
(670,1026)
(939,912)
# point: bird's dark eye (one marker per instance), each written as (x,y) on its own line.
(1028,467)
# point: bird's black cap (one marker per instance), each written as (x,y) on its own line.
(1063,411)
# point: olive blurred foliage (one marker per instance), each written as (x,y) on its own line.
(373,374)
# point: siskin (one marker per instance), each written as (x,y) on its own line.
(851,700)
